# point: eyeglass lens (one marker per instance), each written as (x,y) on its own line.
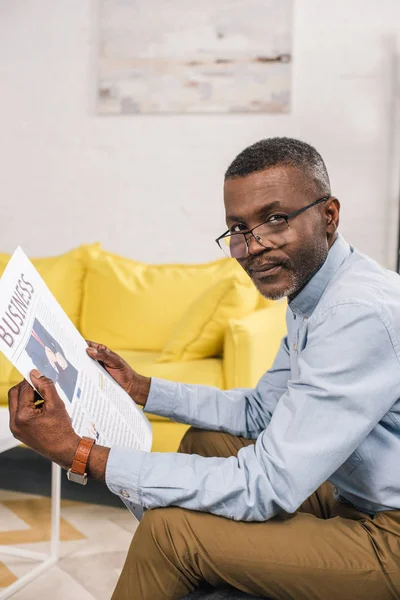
(235,245)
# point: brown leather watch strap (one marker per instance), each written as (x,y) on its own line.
(82,456)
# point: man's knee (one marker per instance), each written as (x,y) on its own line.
(157,557)
(157,530)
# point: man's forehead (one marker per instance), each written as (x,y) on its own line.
(284,184)
(273,177)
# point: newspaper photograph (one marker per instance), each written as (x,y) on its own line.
(35,333)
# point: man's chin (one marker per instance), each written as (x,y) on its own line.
(274,295)
(273,290)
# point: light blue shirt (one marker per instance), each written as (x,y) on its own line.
(328,409)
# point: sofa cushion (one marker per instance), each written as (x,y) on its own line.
(251,344)
(63,275)
(129,304)
(200,331)
(204,372)
(167,435)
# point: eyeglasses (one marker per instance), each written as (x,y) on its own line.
(236,244)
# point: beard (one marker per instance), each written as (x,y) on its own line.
(296,273)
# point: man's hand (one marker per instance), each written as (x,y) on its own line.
(137,386)
(47,429)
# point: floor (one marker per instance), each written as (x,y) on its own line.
(95,540)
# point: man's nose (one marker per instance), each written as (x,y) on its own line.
(255,245)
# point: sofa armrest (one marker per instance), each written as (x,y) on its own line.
(251,344)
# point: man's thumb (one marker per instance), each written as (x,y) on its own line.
(104,355)
(44,385)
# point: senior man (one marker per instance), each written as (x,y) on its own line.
(290,490)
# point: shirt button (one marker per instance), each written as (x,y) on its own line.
(335,491)
(124,493)
(295,347)
(305,318)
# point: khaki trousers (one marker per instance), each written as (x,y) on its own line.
(327,550)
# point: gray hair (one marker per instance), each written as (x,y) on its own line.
(277,151)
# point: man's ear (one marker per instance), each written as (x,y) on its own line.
(332,214)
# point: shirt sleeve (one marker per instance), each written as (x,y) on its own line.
(243,412)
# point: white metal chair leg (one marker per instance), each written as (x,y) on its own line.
(55,511)
(48,560)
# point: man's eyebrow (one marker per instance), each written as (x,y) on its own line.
(260,212)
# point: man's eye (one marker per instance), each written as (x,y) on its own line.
(238,228)
(277,219)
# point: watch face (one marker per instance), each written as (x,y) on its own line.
(76,478)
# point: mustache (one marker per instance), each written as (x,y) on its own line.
(257,264)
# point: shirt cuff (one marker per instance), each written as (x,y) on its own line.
(162,397)
(123,470)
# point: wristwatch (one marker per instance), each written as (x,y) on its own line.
(77,472)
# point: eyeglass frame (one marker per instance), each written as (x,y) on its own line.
(285,217)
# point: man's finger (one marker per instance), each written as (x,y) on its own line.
(13,404)
(104,355)
(26,394)
(45,387)
(25,400)
(94,345)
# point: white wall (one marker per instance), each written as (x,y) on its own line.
(149,187)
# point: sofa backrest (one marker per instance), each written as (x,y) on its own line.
(133,305)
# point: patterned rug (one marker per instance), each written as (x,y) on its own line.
(94,542)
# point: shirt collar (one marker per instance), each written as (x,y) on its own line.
(305,302)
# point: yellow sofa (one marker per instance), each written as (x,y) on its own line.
(193,323)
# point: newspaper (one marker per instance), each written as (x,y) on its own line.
(35,333)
